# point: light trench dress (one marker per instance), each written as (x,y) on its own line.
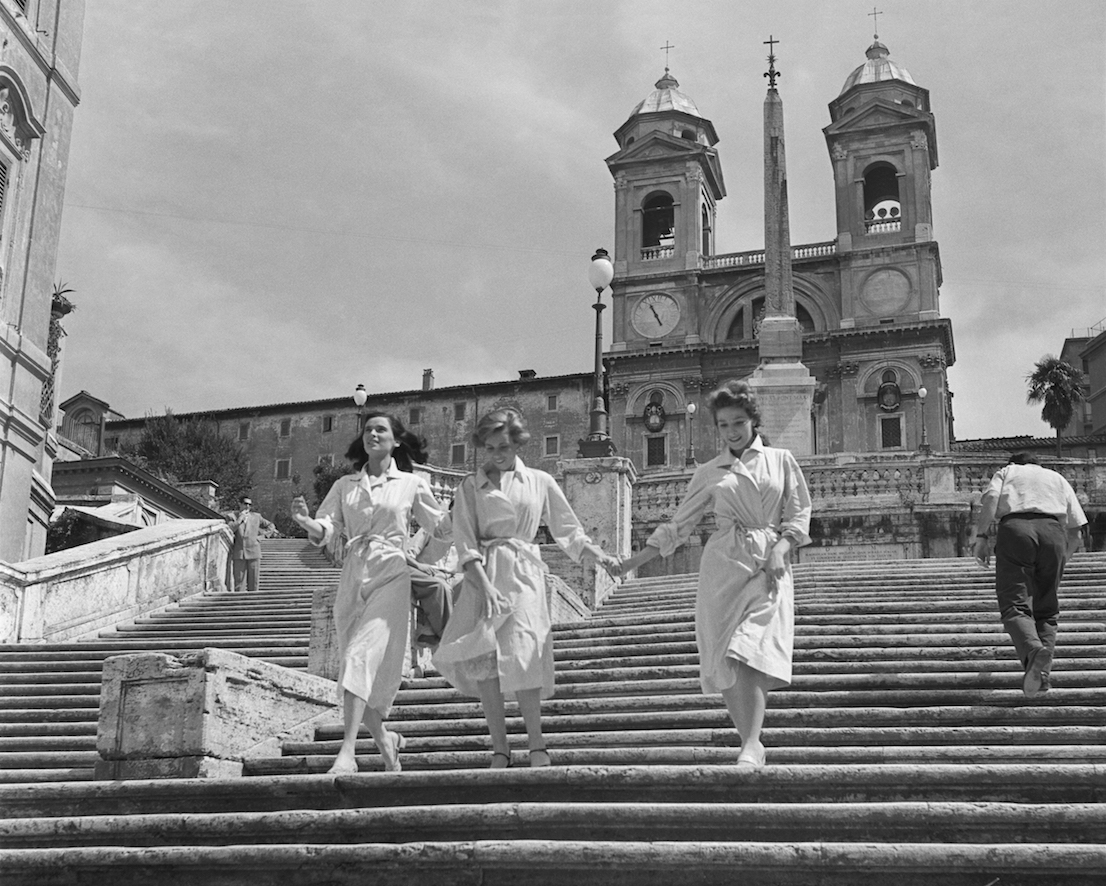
(372,608)
(755,500)
(497,527)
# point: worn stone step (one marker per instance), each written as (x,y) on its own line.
(892,822)
(674,754)
(562,863)
(984,782)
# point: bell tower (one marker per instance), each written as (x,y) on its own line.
(668,182)
(882,141)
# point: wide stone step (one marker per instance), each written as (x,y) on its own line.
(985,782)
(562,863)
(892,822)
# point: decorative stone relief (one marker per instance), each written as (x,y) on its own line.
(619,389)
(10,124)
(693,384)
(920,142)
(932,361)
(839,152)
(886,292)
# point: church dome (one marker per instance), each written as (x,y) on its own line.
(877,69)
(666,97)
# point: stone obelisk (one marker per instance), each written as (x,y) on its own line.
(783,385)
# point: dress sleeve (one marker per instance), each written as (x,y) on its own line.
(466,537)
(700,494)
(795,508)
(563,523)
(427,510)
(330,515)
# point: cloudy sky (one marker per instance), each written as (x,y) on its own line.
(271,201)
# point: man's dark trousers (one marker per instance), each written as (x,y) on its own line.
(1029,563)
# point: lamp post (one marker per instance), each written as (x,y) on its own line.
(924,448)
(360,395)
(598,443)
(690,435)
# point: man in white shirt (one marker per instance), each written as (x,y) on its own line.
(1039,521)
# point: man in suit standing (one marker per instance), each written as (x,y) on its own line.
(246,551)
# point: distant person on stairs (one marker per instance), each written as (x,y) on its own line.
(744,608)
(498,642)
(245,552)
(373,604)
(1039,522)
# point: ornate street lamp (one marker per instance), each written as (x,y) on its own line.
(924,448)
(360,395)
(598,443)
(690,435)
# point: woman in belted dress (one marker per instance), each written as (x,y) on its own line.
(744,608)
(498,643)
(373,604)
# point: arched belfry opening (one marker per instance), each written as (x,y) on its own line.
(705,225)
(882,206)
(658,222)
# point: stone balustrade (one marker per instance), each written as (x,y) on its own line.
(77,592)
(756,256)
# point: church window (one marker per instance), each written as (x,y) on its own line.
(283,469)
(553,445)
(889,377)
(658,220)
(882,209)
(656,454)
(328,424)
(457,454)
(285,427)
(705,225)
(890,431)
(689,134)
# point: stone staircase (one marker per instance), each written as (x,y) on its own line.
(903,753)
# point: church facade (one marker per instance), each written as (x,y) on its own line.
(686,318)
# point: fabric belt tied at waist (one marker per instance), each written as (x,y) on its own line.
(361,543)
(524,549)
(1028,515)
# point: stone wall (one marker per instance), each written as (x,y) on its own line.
(77,592)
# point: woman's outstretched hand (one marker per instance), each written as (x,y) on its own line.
(299,510)
(612,564)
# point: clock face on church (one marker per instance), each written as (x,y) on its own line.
(655,315)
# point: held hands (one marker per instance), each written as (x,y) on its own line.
(496,603)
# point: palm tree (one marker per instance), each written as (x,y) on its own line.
(1059,386)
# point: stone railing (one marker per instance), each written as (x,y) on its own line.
(76,592)
(855,478)
(652,253)
(443,481)
(756,256)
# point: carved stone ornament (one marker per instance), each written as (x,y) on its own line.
(889,397)
(931,361)
(654,417)
(620,389)
(693,384)
(593,477)
(839,152)
(848,367)
(10,125)
(920,142)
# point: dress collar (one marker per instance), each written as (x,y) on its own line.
(728,460)
(366,480)
(482,481)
